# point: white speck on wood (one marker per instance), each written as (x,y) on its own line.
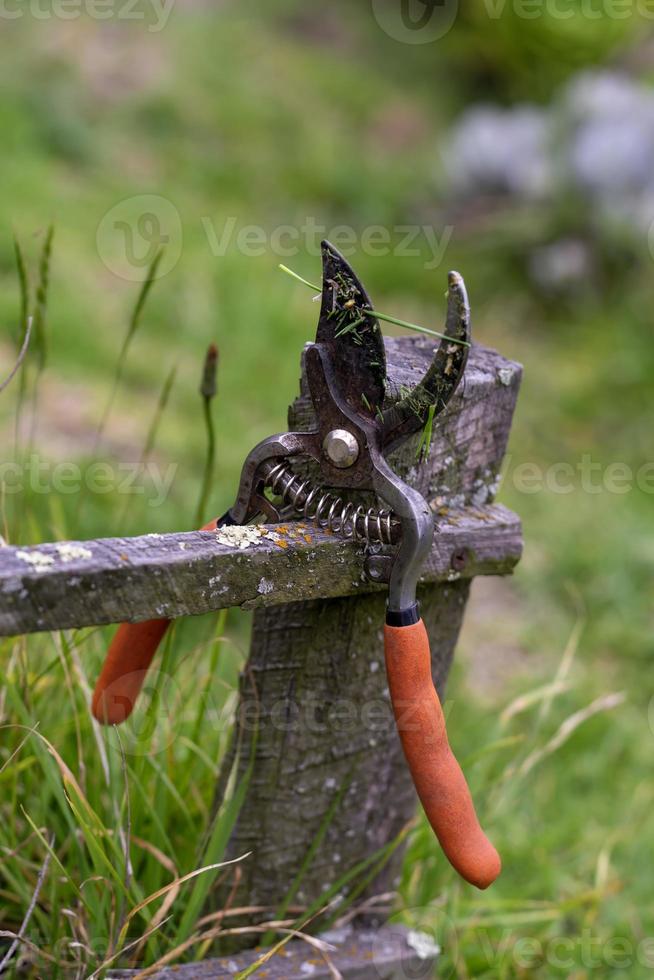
(480,495)
(73,552)
(240,536)
(423,945)
(38,561)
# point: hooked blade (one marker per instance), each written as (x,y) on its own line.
(410,413)
(353,337)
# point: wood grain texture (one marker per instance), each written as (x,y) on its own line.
(357,955)
(326,741)
(94,582)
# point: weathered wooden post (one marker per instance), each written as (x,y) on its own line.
(328,787)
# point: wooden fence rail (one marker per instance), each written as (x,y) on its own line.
(89,583)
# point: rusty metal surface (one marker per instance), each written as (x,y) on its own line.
(352,338)
(442,378)
(346,373)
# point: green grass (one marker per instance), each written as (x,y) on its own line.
(87,791)
(247,113)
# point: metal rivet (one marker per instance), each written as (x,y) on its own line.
(378,568)
(341,448)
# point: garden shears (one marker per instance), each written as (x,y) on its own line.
(357,421)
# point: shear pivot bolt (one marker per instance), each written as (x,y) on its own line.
(341,448)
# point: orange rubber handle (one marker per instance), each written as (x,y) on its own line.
(126,665)
(441,785)
(125,668)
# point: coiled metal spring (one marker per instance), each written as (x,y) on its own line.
(329,511)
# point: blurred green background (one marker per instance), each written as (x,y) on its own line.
(219,117)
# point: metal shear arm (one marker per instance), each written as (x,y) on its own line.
(417,524)
(287,445)
(436,774)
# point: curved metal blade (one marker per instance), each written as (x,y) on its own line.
(353,338)
(440,382)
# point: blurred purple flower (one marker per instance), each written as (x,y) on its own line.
(502,151)
(597,138)
(611,152)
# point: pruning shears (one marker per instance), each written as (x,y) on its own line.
(356,423)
